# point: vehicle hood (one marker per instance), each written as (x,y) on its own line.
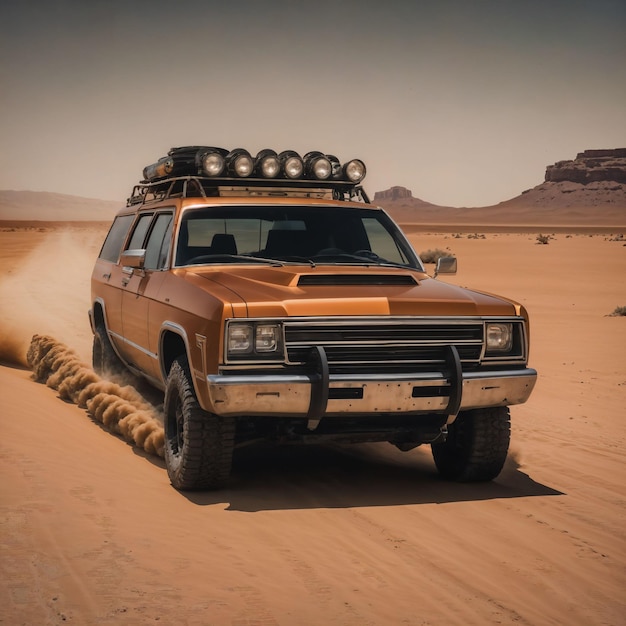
(337,290)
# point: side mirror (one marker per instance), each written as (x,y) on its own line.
(133,258)
(445,265)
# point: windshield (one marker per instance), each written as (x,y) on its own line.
(298,234)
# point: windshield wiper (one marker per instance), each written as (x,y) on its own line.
(220,258)
(365,257)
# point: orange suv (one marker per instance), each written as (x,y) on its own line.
(270,300)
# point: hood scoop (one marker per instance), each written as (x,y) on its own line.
(325,280)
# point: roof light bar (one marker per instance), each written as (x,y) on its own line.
(222,164)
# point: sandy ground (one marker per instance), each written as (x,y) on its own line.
(91,532)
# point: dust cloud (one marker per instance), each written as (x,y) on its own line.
(47,291)
(121,409)
(44,298)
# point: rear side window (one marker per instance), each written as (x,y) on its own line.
(115,239)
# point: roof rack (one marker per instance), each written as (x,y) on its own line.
(205,187)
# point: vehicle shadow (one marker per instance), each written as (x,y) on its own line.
(333,476)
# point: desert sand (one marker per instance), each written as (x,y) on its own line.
(91,532)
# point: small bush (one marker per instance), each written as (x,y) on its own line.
(543,239)
(432,256)
(620,311)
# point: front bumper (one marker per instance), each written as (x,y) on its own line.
(327,395)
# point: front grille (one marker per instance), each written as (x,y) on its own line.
(384,346)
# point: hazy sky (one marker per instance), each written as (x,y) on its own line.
(464,102)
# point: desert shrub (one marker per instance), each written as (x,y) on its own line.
(620,311)
(477,236)
(543,239)
(432,256)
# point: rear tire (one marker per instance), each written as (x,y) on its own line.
(104,359)
(476,447)
(198,445)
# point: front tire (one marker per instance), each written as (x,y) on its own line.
(198,445)
(476,446)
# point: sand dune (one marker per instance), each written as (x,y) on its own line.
(92,532)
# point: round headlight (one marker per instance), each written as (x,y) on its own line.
(292,163)
(267,163)
(240,162)
(354,170)
(213,163)
(317,165)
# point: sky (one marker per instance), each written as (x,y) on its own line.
(464,102)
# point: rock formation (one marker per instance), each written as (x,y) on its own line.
(393,193)
(590,166)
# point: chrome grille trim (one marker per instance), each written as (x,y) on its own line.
(389,342)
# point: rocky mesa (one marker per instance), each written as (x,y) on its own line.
(589,190)
(590,166)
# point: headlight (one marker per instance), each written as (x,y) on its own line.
(240,162)
(354,171)
(292,164)
(267,163)
(499,337)
(250,340)
(239,339)
(267,338)
(213,163)
(317,165)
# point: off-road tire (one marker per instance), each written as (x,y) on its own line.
(104,360)
(198,445)
(476,447)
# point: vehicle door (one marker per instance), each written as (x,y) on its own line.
(153,233)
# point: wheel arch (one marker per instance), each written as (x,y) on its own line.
(97,315)
(173,342)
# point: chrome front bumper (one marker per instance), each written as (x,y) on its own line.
(314,396)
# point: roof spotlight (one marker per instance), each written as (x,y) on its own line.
(212,162)
(292,163)
(354,171)
(239,162)
(316,165)
(267,163)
